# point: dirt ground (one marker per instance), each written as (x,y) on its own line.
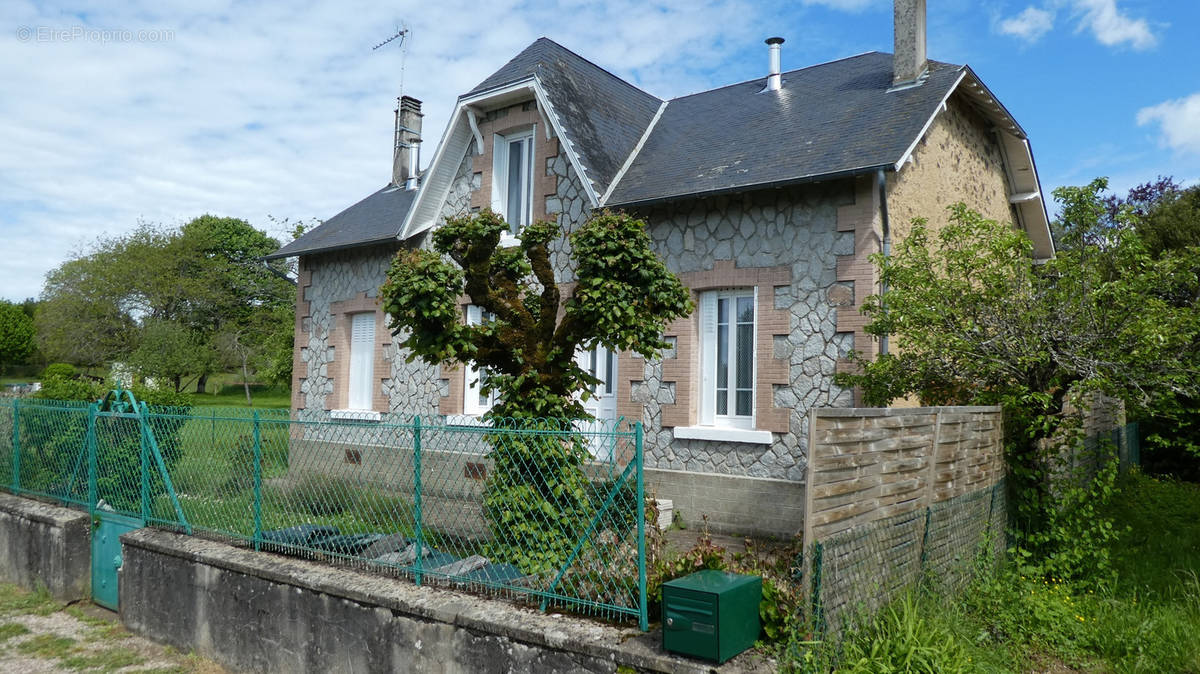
(39,635)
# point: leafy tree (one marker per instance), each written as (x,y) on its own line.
(205,279)
(16,335)
(623,297)
(977,322)
(171,351)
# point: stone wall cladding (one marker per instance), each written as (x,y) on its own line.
(959,159)
(794,228)
(340,283)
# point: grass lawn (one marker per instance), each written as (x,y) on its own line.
(230,393)
(1146,618)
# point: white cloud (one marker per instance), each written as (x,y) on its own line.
(1112,27)
(1178,120)
(1101,18)
(1030,25)
(255,109)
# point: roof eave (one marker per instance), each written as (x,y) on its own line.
(284,253)
(788,182)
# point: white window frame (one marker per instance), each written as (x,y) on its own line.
(473,405)
(360,386)
(709,415)
(500,177)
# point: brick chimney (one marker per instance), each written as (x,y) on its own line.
(909,62)
(406,160)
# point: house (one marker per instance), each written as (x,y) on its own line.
(766,197)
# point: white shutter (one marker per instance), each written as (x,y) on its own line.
(362,360)
(708,358)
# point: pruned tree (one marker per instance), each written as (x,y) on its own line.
(622,298)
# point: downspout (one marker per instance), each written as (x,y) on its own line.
(881,185)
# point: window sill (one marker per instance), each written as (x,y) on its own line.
(355,415)
(720,434)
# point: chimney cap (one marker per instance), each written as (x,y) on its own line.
(774,40)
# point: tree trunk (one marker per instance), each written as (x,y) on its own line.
(202,383)
(245,382)
(178,382)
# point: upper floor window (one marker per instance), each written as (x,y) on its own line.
(727,356)
(512,184)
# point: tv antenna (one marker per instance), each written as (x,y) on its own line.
(402,34)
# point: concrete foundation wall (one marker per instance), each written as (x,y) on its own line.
(734,505)
(258,612)
(45,545)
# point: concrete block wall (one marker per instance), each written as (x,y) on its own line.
(260,612)
(45,545)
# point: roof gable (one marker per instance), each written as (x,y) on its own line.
(601,116)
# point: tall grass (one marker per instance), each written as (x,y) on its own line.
(1145,617)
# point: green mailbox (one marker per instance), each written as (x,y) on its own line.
(711,614)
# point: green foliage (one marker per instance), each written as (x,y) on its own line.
(537,493)
(1141,617)
(165,297)
(64,370)
(901,638)
(171,351)
(978,322)
(16,335)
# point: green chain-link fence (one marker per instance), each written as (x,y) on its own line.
(545,510)
(854,573)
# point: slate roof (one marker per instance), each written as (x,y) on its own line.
(373,220)
(829,119)
(601,115)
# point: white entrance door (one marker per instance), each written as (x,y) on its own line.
(601,364)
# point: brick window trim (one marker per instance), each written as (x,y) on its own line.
(300,334)
(684,368)
(342,314)
(545,183)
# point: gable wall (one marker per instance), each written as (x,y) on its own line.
(959,159)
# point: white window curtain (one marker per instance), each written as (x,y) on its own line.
(362,360)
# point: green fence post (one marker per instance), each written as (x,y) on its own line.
(257,483)
(417,494)
(925,538)
(643,609)
(91,454)
(16,443)
(818,609)
(145,456)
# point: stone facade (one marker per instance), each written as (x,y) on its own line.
(805,250)
(793,229)
(334,286)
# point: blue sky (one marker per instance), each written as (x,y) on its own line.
(159,112)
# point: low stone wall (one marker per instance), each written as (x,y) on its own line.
(734,505)
(255,611)
(45,545)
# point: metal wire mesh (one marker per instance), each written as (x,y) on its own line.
(856,572)
(542,509)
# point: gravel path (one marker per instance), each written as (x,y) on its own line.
(39,635)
